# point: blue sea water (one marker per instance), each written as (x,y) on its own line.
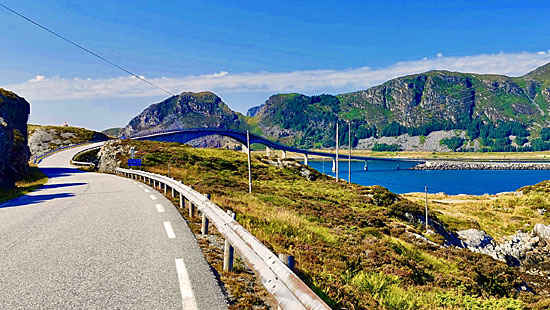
(453,182)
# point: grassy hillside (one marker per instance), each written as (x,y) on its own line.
(352,243)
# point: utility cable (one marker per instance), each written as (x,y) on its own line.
(86,50)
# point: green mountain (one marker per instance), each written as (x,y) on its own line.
(491,109)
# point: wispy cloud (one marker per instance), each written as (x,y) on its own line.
(43,88)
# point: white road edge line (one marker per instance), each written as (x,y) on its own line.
(169,230)
(187,298)
(146,190)
(153,197)
(160,208)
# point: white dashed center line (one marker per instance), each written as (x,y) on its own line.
(140,186)
(187,298)
(160,208)
(153,197)
(169,230)
(145,190)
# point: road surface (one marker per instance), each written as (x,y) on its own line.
(98,241)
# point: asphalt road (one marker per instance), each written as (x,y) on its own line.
(99,241)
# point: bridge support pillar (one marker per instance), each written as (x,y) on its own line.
(283,154)
(267,151)
(366,166)
(333,165)
(305,159)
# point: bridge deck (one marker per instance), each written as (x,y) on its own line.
(185,135)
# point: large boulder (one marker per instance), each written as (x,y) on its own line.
(14,152)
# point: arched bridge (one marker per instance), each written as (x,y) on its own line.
(186,135)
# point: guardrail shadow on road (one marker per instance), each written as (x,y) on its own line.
(28,200)
(48,186)
(60,172)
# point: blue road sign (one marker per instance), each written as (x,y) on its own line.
(134,162)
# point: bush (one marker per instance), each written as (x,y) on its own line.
(545,134)
(453,143)
(386,290)
(383,147)
(520,141)
(457,299)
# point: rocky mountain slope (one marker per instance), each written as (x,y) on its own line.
(417,104)
(14,152)
(491,110)
(187,110)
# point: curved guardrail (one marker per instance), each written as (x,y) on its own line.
(39,159)
(82,163)
(283,284)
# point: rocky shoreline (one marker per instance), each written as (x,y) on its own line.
(450,165)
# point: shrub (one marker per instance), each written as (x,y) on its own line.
(453,143)
(383,147)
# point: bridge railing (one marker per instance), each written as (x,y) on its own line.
(283,284)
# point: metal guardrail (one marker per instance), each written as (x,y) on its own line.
(39,159)
(283,284)
(82,163)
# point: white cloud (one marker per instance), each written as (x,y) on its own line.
(41,88)
(37,78)
(439,54)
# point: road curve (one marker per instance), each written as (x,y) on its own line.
(98,241)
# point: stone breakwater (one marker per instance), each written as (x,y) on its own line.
(450,165)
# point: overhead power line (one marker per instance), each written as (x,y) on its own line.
(86,50)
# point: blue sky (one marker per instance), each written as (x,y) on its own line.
(247,50)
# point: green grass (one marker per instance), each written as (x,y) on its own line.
(498,216)
(33,181)
(340,234)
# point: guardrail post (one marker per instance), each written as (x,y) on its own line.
(288,260)
(205,221)
(191,207)
(173,195)
(165,189)
(228,251)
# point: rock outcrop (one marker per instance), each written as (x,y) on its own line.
(43,139)
(14,152)
(519,249)
(187,110)
(108,156)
